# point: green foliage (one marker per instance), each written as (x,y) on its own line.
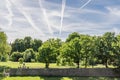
(116,50)
(105,49)
(36,44)
(49,51)
(4,57)
(28,55)
(71,52)
(21,45)
(4,47)
(15,56)
(21,60)
(18,45)
(72,36)
(77,49)
(87,49)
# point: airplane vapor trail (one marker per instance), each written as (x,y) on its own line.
(8,5)
(45,16)
(29,20)
(62,15)
(85,4)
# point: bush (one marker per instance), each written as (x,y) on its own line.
(4,58)
(28,55)
(21,60)
(15,56)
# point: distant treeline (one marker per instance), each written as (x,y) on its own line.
(77,49)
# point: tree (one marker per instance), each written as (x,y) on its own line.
(28,55)
(71,52)
(36,44)
(105,47)
(87,49)
(28,42)
(116,51)
(93,51)
(49,50)
(21,45)
(15,56)
(4,47)
(18,45)
(72,36)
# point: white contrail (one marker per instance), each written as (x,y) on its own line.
(29,20)
(85,4)
(8,5)
(45,16)
(62,15)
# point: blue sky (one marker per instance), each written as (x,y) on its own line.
(45,19)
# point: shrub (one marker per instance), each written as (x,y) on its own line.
(15,56)
(28,55)
(21,60)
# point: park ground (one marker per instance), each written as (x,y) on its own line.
(53,65)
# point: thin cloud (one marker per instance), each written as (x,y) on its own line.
(84,5)
(45,17)
(62,15)
(29,20)
(10,16)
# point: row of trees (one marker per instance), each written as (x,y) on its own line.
(21,45)
(78,49)
(83,49)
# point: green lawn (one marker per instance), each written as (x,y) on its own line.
(32,65)
(42,65)
(53,65)
(59,78)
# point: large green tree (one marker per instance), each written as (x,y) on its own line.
(87,48)
(49,51)
(71,52)
(4,46)
(105,47)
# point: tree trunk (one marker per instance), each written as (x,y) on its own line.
(86,62)
(106,63)
(78,64)
(47,65)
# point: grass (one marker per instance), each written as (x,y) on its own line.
(32,65)
(59,78)
(42,65)
(53,65)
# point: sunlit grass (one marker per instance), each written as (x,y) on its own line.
(32,65)
(60,78)
(42,65)
(23,78)
(37,78)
